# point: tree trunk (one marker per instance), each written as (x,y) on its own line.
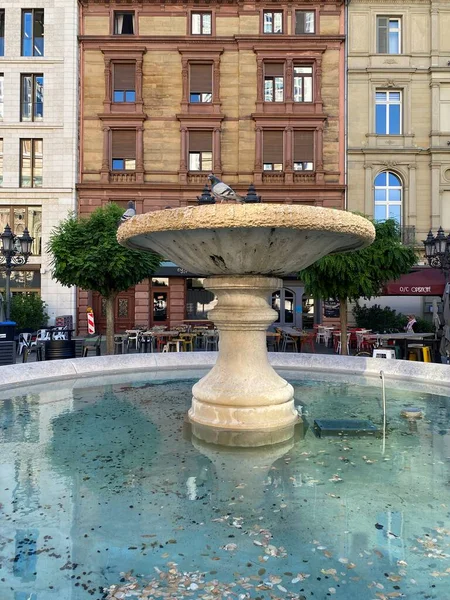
(110,304)
(343,315)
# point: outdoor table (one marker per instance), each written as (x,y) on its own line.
(406,338)
(295,333)
(160,335)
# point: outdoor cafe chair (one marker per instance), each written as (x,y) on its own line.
(309,340)
(211,341)
(287,340)
(92,344)
(133,337)
(24,342)
(187,341)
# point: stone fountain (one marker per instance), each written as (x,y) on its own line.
(244,249)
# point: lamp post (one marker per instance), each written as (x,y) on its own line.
(15,251)
(437,251)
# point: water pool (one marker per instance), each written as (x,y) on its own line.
(103,485)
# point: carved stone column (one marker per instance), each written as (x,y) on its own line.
(108,86)
(184,84)
(258,155)
(216,82)
(139,154)
(288,155)
(104,177)
(217,164)
(368,191)
(411,216)
(183,156)
(289,85)
(259,85)
(318,85)
(242,392)
(320,176)
(139,84)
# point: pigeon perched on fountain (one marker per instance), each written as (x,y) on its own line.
(223,191)
(130,212)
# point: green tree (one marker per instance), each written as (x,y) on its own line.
(29,311)
(85,253)
(349,276)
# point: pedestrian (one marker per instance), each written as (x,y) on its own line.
(411,325)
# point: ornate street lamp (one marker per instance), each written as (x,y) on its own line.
(15,251)
(437,251)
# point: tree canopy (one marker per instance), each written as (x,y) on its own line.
(349,276)
(85,253)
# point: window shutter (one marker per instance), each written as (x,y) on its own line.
(200,141)
(201,78)
(304,146)
(273,146)
(274,69)
(124,143)
(124,76)
(382,35)
(299,22)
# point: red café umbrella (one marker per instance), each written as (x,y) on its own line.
(423,282)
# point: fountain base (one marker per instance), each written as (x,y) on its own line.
(242,392)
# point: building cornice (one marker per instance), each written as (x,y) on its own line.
(207,3)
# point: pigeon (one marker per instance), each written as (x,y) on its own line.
(222,191)
(130,212)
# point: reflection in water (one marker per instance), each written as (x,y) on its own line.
(110,480)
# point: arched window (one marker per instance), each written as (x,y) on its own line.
(388,197)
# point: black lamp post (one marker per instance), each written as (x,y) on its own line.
(437,251)
(15,251)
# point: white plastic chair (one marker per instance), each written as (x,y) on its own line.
(24,342)
(43,335)
(133,337)
(59,333)
(211,341)
(288,340)
(320,337)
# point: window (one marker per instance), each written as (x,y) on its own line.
(304,22)
(123,150)
(19,217)
(200,86)
(303,84)
(273,22)
(32,104)
(1,95)
(273,150)
(1,164)
(2,32)
(31,163)
(273,82)
(388,197)
(200,151)
(33,32)
(388,113)
(201,23)
(388,35)
(124,83)
(124,23)
(303,150)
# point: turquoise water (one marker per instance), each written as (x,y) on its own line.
(104,485)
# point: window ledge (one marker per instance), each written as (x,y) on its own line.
(376,140)
(122,177)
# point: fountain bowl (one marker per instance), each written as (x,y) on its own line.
(246,239)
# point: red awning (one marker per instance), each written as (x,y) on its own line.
(424,282)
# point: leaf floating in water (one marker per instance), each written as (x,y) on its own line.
(229,547)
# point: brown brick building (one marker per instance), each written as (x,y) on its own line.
(172,90)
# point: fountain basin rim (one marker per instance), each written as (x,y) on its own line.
(235,216)
(20,375)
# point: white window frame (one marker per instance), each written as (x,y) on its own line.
(272,25)
(387,203)
(389,102)
(399,32)
(199,16)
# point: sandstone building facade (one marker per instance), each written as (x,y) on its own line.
(170,91)
(399,112)
(38,134)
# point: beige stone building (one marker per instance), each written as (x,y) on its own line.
(399,128)
(170,91)
(399,112)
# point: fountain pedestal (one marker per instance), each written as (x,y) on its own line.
(242,392)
